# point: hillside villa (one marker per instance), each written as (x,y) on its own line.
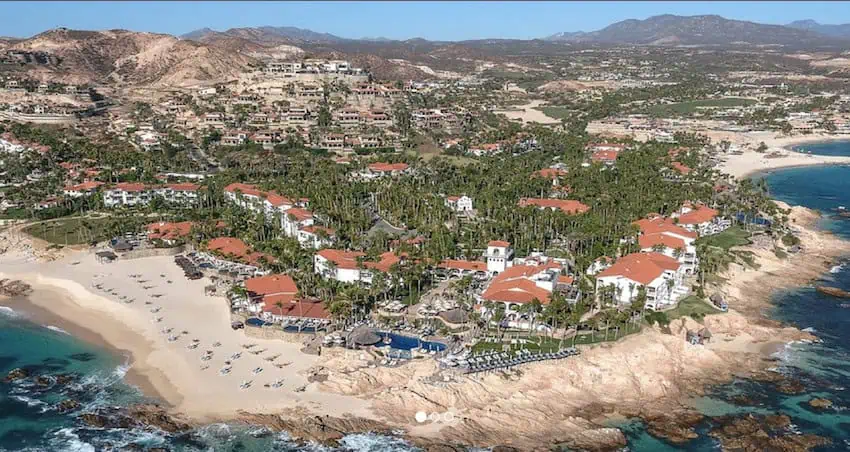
(350,266)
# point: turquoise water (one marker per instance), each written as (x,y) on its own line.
(823,148)
(30,419)
(823,368)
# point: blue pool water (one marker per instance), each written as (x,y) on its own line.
(401,342)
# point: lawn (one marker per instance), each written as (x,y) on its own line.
(556,112)
(71,231)
(693,307)
(684,108)
(734,236)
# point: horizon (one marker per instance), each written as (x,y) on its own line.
(436,21)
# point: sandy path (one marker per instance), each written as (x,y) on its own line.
(529,113)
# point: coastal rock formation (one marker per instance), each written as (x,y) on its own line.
(67,405)
(325,430)
(141,416)
(821,404)
(16,374)
(833,291)
(14,288)
(784,384)
(678,428)
(752,433)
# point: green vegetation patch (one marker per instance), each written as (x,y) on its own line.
(734,236)
(693,307)
(684,108)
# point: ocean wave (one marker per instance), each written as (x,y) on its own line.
(809,330)
(29,401)
(67,440)
(837,268)
(57,329)
(370,442)
(8,312)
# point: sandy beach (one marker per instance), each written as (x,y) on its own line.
(751,162)
(654,373)
(162,362)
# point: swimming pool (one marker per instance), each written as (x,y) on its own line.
(400,342)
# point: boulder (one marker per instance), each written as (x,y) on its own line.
(67,405)
(833,291)
(16,374)
(821,404)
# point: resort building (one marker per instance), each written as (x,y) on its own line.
(554,174)
(459,203)
(315,236)
(251,198)
(662,235)
(169,233)
(380,169)
(661,276)
(601,263)
(568,206)
(233,255)
(350,266)
(499,256)
(275,299)
(135,194)
(534,279)
(83,189)
(701,219)
(463,268)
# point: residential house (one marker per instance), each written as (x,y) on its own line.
(459,203)
(701,219)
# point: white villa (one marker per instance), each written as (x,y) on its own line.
(343,266)
(701,219)
(662,276)
(661,235)
(499,256)
(459,203)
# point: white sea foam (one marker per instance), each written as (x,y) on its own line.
(70,441)
(810,330)
(370,442)
(29,401)
(57,329)
(837,268)
(8,312)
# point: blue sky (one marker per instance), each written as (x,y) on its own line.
(397,20)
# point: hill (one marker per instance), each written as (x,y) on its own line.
(836,31)
(698,30)
(132,57)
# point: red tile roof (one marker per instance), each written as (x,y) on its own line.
(273,198)
(641,267)
(668,241)
(661,225)
(296,308)
(127,186)
(513,286)
(169,231)
(549,173)
(85,186)
(604,156)
(568,206)
(385,167)
(299,214)
(682,169)
(271,285)
(348,259)
(184,186)
(315,229)
(701,214)
(499,243)
(230,246)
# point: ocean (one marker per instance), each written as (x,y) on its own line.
(823,368)
(30,418)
